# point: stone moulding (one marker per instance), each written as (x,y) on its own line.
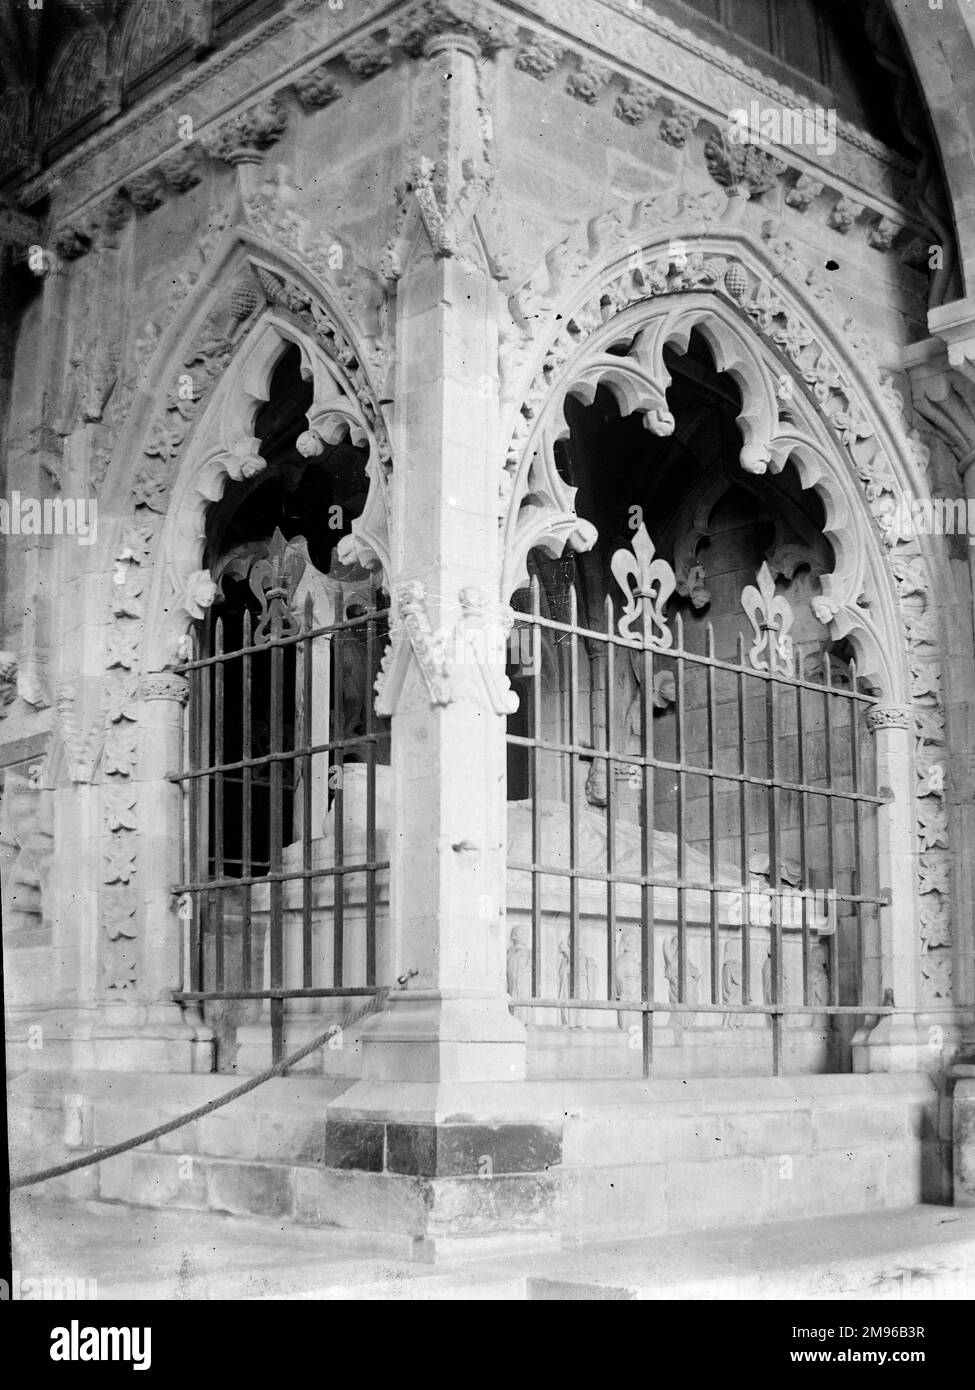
(637,283)
(678,67)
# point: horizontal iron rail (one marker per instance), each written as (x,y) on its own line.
(738,890)
(352,991)
(283,876)
(288,755)
(623,1006)
(288,640)
(605,755)
(528,620)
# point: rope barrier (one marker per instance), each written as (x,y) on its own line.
(251,1084)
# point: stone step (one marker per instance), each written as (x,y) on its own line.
(917,1253)
(624,1159)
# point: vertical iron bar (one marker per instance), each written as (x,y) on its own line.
(573,808)
(834,945)
(304,739)
(648,934)
(803,867)
(247,752)
(712,827)
(536,605)
(775,922)
(218,807)
(857,843)
(746,943)
(195,792)
(276,820)
(611,767)
(206,812)
(338,809)
(370,800)
(680,755)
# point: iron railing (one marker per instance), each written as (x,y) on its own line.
(754,765)
(282,877)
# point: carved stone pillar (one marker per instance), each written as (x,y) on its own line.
(447,705)
(142,1027)
(894,1042)
(942,373)
(448,1039)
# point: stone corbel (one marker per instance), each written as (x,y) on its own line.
(943,392)
(413,636)
(480,655)
(954,324)
(465,663)
(190,598)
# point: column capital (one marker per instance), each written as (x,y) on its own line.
(431,26)
(889,717)
(167,685)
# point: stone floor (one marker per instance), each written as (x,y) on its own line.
(914,1253)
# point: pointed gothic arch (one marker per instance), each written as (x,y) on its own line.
(193,432)
(601,309)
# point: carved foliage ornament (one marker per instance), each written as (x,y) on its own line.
(648,584)
(771,617)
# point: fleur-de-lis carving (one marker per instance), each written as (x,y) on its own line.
(644,581)
(273,580)
(771,618)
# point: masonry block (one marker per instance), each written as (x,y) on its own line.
(251,1189)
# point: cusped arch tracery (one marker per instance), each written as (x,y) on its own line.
(224,448)
(542,505)
(190,429)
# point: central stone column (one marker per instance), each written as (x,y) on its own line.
(436,1140)
(445,686)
